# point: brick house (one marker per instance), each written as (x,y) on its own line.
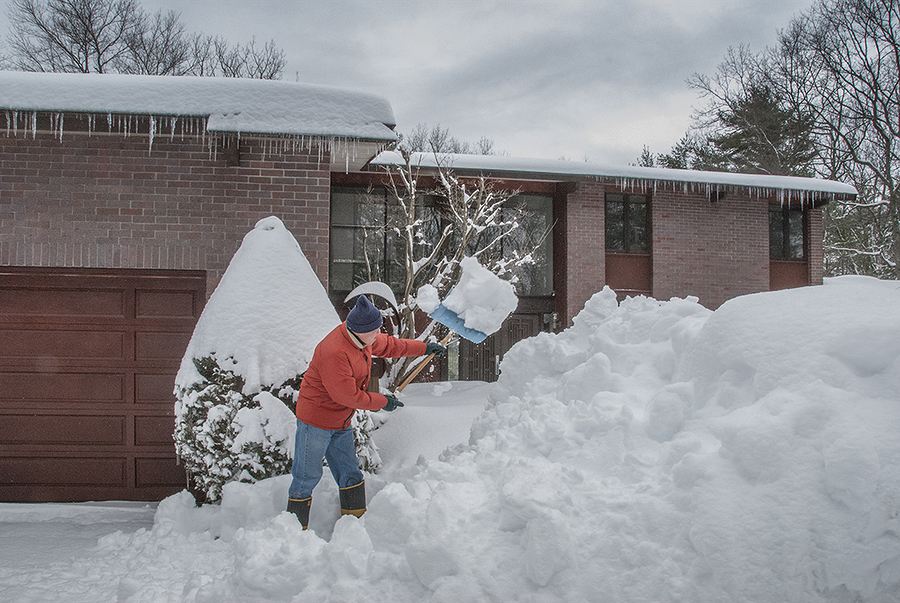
(123,198)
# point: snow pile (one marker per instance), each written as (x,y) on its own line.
(481,298)
(268,312)
(655,451)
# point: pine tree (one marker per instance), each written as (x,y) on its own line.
(224,435)
(758,135)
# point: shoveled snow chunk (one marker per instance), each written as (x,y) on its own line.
(481,298)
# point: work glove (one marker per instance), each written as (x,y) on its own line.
(435,348)
(392,404)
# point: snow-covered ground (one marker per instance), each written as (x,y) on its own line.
(655,451)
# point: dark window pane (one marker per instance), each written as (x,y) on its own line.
(341,276)
(776,233)
(342,243)
(795,230)
(638,241)
(357,237)
(627,223)
(615,225)
(786,237)
(535,279)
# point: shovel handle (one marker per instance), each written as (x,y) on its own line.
(421,365)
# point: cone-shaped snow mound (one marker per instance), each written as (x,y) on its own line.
(268,312)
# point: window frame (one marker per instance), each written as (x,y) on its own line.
(628,245)
(788,228)
(382,196)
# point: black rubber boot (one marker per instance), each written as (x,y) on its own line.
(353,499)
(300,508)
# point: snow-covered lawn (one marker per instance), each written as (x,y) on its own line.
(655,451)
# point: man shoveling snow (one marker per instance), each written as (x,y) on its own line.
(334,386)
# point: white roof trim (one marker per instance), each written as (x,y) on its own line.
(632,175)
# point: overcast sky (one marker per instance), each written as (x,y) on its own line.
(590,79)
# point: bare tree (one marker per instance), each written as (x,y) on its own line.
(70,35)
(841,62)
(157,46)
(248,61)
(435,139)
(748,126)
(442,224)
(118,36)
(837,68)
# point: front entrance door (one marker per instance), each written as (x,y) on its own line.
(481,362)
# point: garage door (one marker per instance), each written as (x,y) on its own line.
(87,364)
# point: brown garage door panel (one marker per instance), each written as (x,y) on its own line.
(154,431)
(71,387)
(157,346)
(88,358)
(52,429)
(170,304)
(158,472)
(61,302)
(150,388)
(24,343)
(62,471)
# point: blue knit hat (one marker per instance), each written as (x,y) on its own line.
(364,317)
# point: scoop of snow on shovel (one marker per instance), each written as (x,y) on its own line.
(481,299)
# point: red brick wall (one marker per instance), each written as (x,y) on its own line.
(815,250)
(585,246)
(109,201)
(712,250)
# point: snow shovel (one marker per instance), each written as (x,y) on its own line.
(452,321)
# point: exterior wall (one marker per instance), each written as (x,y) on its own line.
(815,245)
(109,201)
(712,250)
(585,246)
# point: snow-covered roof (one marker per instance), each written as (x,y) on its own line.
(644,177)
(230,104)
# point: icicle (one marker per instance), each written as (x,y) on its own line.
(152,133)
(62,117)
(33,125)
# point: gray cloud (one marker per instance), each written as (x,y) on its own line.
(590,78)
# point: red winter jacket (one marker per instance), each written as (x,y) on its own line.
(335,382)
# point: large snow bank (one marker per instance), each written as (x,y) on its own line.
(655,451)
(268,312)
(230,104)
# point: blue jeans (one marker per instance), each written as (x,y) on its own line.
(311,446)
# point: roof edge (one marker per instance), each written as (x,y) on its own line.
(563,171)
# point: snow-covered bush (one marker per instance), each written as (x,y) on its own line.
(224,435)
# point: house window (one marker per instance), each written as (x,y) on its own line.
(534,213)
(627,223)
(363,244)
(358,238)
(786,233)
